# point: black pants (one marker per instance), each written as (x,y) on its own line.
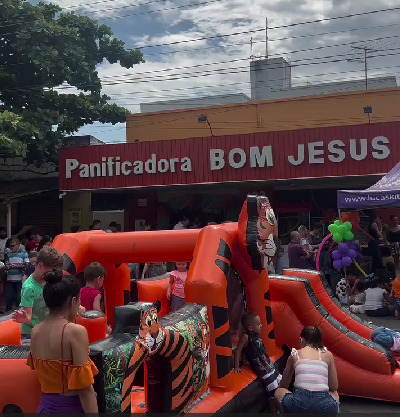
(13,294)
(375,253)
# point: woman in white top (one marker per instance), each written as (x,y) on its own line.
(378,300)
(316,383)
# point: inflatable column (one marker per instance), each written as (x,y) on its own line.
(206,284)
(257,228)
(117,286)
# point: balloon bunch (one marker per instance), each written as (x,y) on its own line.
(341,231)
(346,254)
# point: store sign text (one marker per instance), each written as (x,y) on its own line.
(255,157)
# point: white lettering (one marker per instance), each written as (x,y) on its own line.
(70,165)
(110,163)
(300,158)
(363,151)
(117,166)
(84,171)
(313,153)
(124,168)
(138,167)
(333,149)
(377,144)
(103,167)
(163,165)
(257,159)
(186,164)
(172,163)
(92,168)
(242,159)
(150,165)
(217,160)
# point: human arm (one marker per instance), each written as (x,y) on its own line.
(145,268)
(80,348)
(387,296)
(169,289)
(287,373)
(332,373)
(27,299)
(238,353)
(96,302)
(375,227)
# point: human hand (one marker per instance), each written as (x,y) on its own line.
(81,310)
(169,294)
(238,370)
(20,316)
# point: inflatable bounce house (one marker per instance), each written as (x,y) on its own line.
(156,361)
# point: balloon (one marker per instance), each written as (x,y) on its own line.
(337,237)
(348,226)
(346,261)
(349,236)
(337,264)
(352,253)
(343,249)
(352,245)
(333,228)
(337,222)
(336,255)
(342,229)
(359,257)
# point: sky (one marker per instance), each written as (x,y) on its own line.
(206,45)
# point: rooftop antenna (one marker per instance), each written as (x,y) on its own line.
(266,37)
(364,58)
(251,49)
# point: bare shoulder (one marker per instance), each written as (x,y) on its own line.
(327,355)
(77,331)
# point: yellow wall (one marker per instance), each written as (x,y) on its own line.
(73,203)
(267,116)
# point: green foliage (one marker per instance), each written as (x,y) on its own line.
(42,48)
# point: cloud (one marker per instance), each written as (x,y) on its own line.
(318,51)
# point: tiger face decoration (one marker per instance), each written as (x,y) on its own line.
(151,334)
(266,230)
(257,229)
(205,346)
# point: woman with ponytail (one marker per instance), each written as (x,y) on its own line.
(60,351)
(316,381)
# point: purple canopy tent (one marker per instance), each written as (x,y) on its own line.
(385,193)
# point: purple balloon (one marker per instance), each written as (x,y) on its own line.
(359,257)
(346,261)
(352,245)
(337,264)
(336,255)
(343,248)
(352,254)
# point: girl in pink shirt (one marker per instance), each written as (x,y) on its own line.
(176,286)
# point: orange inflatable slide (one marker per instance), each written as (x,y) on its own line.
(164,362)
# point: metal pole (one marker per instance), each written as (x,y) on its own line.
(266,37)
(9,214)
(366,69)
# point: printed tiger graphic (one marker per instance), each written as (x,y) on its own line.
(154,340)
(205,346)
(266,230)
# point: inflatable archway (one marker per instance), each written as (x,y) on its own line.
(182,361)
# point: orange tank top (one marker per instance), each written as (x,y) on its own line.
(61,376)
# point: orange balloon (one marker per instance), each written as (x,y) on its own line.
(350,216)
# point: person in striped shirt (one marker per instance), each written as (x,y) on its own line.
(316,382)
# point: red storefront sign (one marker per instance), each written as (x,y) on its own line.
(308,153)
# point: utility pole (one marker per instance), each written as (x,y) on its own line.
(366,49)
(266,38)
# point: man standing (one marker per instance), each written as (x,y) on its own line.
(3,241)
(297,255)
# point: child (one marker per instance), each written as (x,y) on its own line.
(91,297)
(357,297)
(33,308)
(396,294)
(176,286)
(94,278)
(15,262)
(252,346)
(30,268)
(387,338)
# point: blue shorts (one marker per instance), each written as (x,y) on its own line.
(303,401)
(397,303)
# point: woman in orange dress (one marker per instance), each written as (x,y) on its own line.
(60,351)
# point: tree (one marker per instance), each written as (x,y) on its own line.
(43,53)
